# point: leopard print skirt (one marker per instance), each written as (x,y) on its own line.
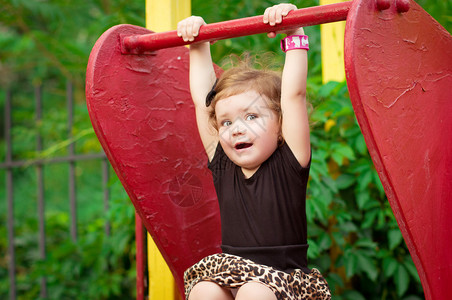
(230,271)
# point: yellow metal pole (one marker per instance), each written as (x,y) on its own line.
(162,15)
(332,39)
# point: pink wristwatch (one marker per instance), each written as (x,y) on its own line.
(295,42)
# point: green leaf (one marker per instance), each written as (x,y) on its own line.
(313,250)
(365,178)
(326,89)
(350,263)
(378,183)
(334,282)
(402,280)
(338,158)
(353,295)
(343,216)
(346,151)
(394,238)
(321,197)
(341,151)
(344,181)
(382,220)
(366,243)
(360,144)
(413,297)
(389,266)
(324,241)
(329,182)
(349,227)
(411,268)
(362,199)
(369,218)
(368,266)
(339,239)
(310,210)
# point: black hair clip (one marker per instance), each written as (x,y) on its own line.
(211,94)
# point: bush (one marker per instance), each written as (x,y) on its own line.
(96,266)
(353,235)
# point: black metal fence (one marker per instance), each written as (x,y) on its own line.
(71,159)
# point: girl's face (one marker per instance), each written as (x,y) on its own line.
(248,129)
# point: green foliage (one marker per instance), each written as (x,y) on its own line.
(353,235)
(48,43)
(96,266)
(440,10)
(45,40)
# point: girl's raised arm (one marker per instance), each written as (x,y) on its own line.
(295,123)
(202,79)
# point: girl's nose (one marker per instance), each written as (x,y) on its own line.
(238,128)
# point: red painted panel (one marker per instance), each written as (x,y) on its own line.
(399,74)
(142,113)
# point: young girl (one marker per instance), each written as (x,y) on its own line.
(259,154)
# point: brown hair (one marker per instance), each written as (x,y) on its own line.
(243,78)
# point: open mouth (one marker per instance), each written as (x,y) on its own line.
(240,146)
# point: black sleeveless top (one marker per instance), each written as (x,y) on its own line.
(263,218)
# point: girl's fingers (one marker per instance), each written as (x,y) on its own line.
(274,15)
(182,30)
(267,13)
(198,22)
(194,29)
(265,19)
(188,28)
(271,34)
(278,14)
(284,11)
(179,29)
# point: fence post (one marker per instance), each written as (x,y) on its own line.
(105,179)
(10,199)
(40,188)
(72,195)
(39,165)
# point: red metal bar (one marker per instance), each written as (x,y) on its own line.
(146,43)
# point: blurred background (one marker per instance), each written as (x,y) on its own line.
(73,222)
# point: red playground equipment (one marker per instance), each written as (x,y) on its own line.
(398,63)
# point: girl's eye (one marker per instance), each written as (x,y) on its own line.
(250,117)
(226,123)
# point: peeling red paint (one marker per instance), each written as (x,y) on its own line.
(399,73)
(142,113)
